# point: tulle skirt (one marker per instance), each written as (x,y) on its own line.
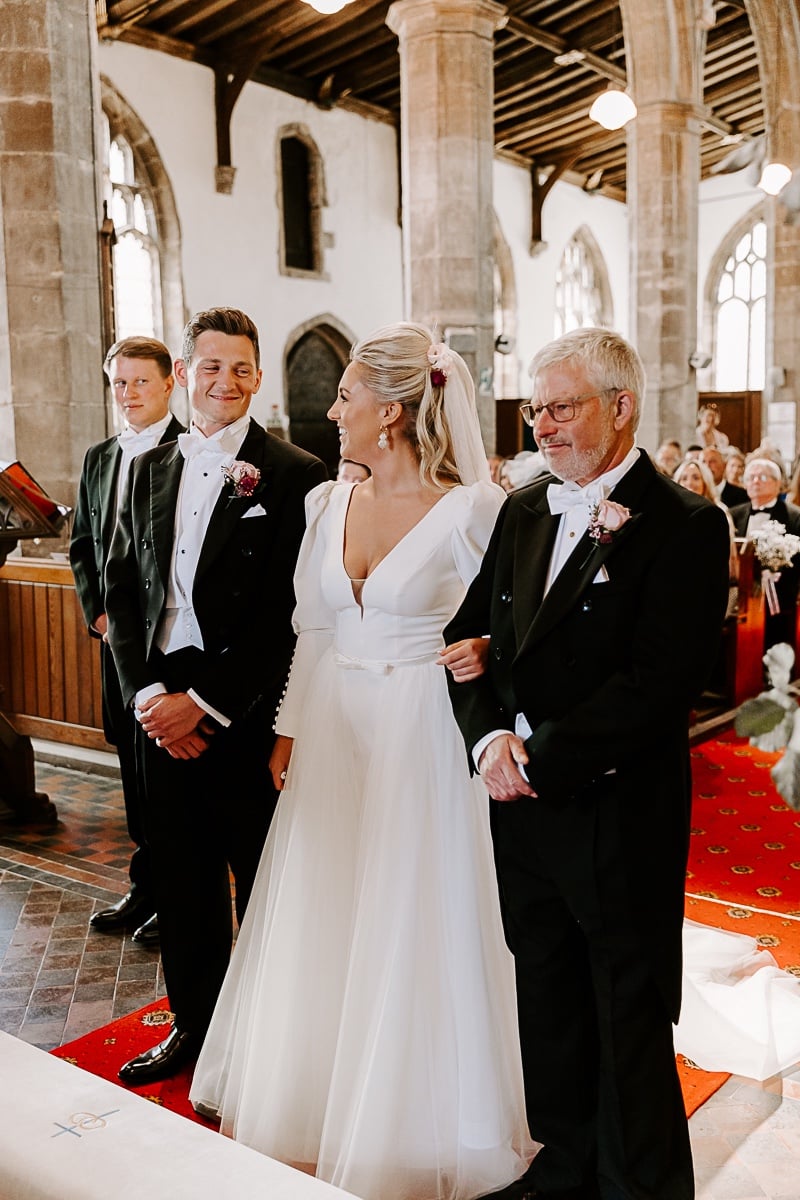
(367,1026)
(740,1012)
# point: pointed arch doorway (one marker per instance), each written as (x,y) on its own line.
(317,354)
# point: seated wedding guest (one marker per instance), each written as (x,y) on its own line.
(668,457)
(734,466)
(728,493)
(521,470)
(366,1030)
(793,491)
(199,597)
(495,463)
(763,480)
(708,432)
(693,452)
(696,477)
(351,472)
(139,370)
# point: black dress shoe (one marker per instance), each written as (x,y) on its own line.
(147,934)
(129,912)
(163,1060)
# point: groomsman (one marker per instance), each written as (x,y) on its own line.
(604,597)
(200,600)
(139,370)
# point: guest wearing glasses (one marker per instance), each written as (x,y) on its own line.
(763,482)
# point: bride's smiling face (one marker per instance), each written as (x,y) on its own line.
(357,412)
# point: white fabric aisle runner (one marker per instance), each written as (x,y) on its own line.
(68,1135)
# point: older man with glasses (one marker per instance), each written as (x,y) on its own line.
(763,482)
(603,592)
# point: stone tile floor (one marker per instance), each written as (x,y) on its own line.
(59,980)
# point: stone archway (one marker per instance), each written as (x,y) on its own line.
(316,354)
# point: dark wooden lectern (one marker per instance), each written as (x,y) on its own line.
(26,511)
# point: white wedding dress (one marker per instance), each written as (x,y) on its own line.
(739,1011)
(367,1025)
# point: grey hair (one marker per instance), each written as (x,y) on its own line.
(609,362)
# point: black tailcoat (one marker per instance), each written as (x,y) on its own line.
(207,814)
(92,530)
(592,871)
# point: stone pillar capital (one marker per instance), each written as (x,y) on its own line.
(412,18)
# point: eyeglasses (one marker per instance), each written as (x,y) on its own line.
(761,478)
(560,411)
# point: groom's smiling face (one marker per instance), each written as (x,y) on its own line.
(599,435)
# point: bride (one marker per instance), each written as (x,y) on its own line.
(366,1030)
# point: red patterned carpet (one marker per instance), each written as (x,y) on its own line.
(103,1051)
(744,875)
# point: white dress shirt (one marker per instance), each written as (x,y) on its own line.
(133,443)
(201,483)
(572,526)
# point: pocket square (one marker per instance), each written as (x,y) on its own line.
(257,511)
(602,576)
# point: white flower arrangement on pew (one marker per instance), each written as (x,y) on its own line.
(772,721)
(774,549)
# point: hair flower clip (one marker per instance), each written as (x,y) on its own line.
(243,476)
(605,519)
(441,359)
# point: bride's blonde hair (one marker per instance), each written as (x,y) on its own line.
(396,366)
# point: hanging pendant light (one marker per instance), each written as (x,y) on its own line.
(327,7)
(774,178)
(613,108)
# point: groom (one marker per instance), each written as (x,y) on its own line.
(199,597)
(604,621)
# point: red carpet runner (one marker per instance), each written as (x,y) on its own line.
(745,852)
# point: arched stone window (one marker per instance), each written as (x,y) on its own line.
(301,195)
(737,299)
(583,294)
(146,292)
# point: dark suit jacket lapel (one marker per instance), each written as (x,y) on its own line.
(165,481)
(533,546)
(228,511)
(582,565)
(107,470)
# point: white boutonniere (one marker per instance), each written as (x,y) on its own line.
(605,519)
(243,477)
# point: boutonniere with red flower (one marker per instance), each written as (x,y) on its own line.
(605,519)
(243,477)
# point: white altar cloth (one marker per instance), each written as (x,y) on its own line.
(69,1135)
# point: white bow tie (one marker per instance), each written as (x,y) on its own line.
(131,439)
(563,496)
(190,444)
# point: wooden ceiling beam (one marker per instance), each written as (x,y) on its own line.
(559,45)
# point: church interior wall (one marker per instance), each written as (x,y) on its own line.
(230,243)
(565,210)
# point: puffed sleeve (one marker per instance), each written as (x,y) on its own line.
(312,619)
(473,527)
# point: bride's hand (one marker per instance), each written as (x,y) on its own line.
(279,760)
(467,659)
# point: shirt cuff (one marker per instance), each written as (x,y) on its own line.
(212,712)
(152,689)
(479,747)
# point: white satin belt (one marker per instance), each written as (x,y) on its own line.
(376,666)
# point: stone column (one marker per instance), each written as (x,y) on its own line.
(663,180)
(447,154)
(51,384)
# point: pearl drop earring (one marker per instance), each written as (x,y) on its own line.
(383,438)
